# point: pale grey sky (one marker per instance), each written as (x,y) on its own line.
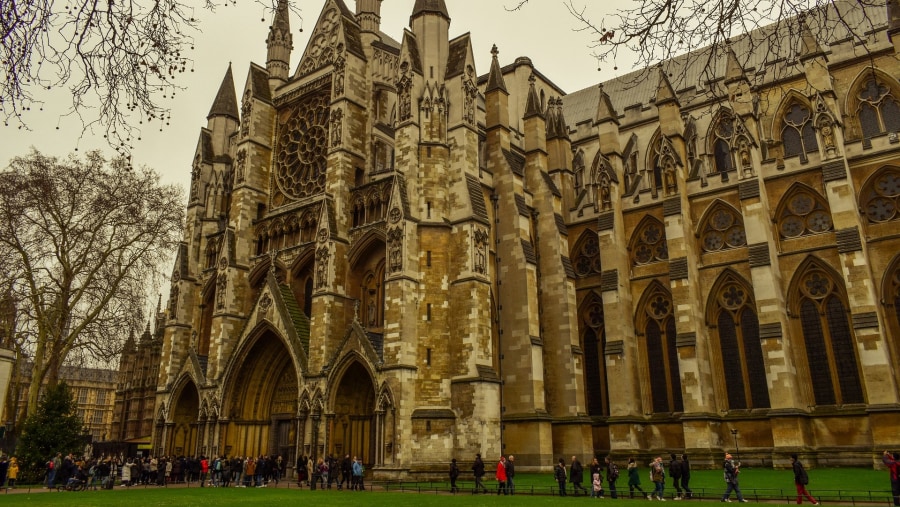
(543,31)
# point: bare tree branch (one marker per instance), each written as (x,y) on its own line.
(120,60)
(84,238)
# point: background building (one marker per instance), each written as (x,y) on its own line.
(388,255)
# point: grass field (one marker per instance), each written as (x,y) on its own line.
(831,486)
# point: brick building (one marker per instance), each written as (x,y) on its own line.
(389,255)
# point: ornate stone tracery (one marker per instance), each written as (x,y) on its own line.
(803,212)
(880,197)
(723,229)
(649,243)
(300,156)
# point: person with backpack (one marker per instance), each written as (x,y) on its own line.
(612,475)
(801,479)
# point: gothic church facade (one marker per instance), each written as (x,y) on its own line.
(389,256)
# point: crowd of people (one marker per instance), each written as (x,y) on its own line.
(348,473)
(216,472)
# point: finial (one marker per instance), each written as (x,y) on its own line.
(531,79)
(495,51)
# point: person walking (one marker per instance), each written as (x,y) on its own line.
(892,461)
(357,470)
(801,479)
(675,474)
(559,473)
(454,474)
(576,476)
(732,471)
(501,476)
(686,477)
(634,479)
(12,473)
(478,472)
(658,476)
(510,474)
(612,475)
(596,479)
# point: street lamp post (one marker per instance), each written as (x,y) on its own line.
(737,450)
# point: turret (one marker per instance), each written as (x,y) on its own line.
(368,15)
(280,43)
(430,22)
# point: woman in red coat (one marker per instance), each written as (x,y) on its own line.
(501,476)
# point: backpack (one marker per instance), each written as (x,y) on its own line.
(50,465)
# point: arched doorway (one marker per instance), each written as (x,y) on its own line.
(262,401)
(184,437)
(353,427)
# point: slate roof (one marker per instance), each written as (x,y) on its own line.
(298,318)
(476,198)
(225,103)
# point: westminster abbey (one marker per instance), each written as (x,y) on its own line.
(391,254)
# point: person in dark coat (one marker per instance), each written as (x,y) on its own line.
(731,479)
(576,476)
(478,472)
(612,475)
(892,461)
(801,480)
(686,476)
(675,474)
(559,473)
(454,474)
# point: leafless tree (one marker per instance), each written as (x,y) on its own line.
(118,59)
(84,239)
(690,38)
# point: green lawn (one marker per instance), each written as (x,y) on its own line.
(833,486)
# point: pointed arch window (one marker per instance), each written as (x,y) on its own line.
(722,135)
(737,327)
(661,352)
(797,134)
(803,212)
(828,341)
(593,345)
(649,243)
(587,255)
(879,109)
(880,197)
(723,229)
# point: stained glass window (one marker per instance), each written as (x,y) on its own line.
(662,354)
(723,230)
(798,134)
(649,244)
(880,198)
(803,213)
(879,110)
(830,350)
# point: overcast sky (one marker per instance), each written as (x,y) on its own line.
(544,31)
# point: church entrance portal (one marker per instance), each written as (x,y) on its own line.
(184,436)
(354,414)
(262,402)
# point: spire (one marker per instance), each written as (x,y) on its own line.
(429,6)
(532,102)
(809,45)
(605,109)
(562,129)
(664,91)
(226,100)
(279,43)
(733,68)
(495,77)
(129,342)
(552,124)
(146,336)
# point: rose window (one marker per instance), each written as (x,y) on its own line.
(300,158)
(881,198)
(723,230)
(804,214)
(650,244)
